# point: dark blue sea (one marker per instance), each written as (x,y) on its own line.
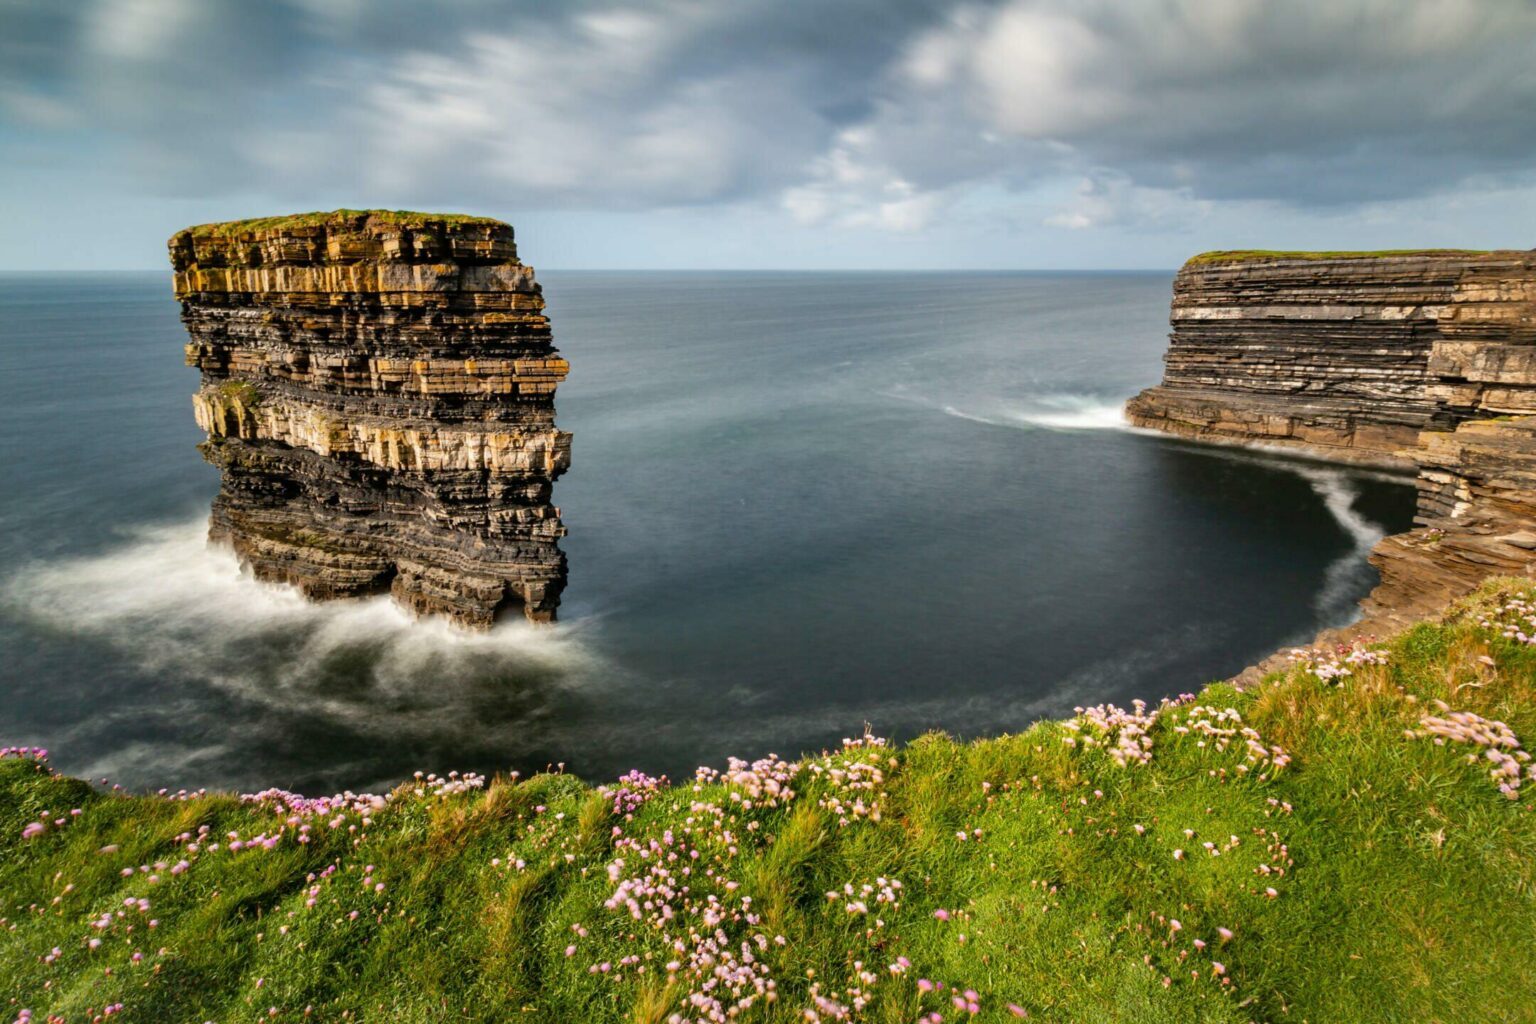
(799,503)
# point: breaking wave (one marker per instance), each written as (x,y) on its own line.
(1049,412)
(183,611)
(1058,412)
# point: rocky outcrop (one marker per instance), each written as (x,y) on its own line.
(1349,356)
(378,393)
(1417,360)
(1476,518)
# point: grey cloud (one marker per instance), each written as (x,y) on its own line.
(866,112)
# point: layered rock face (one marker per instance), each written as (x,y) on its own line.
(378,392)
(1348,356)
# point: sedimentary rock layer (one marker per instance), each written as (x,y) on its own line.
(1349,356)
(378,392)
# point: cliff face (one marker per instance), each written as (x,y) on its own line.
(1415,360)
(1347,356)
(378,392)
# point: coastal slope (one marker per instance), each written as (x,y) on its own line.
(1351,840)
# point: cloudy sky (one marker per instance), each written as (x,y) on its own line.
(778,133)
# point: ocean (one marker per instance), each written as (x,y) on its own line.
(801,504)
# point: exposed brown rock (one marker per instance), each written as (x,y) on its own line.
(1476,518)
(378,391)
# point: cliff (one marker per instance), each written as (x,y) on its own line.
(1417,360)
(1347,356)
(378,393)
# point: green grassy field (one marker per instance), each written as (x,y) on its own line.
(1305,851)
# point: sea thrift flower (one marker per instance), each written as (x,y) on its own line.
(1509,763)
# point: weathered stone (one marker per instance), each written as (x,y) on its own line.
(378,394)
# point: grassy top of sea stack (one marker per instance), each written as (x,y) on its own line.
(1351,840)
(1252,255)
(339,218)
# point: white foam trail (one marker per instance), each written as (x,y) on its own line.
(173,604)
(1335,601)
(1074,412)
(1051,412)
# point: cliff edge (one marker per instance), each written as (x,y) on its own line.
(378,393)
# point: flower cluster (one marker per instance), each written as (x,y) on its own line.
(631,792)
(676,885)
(47,822)
(30,753)
(1125,734)
(856,900)
(761,783)
(452,784)
(1336,663)
(1221,727)
(1515,619)
(1500,747)
(855,779)
(297,805)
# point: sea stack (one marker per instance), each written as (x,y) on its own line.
(378,392)
(1421,360)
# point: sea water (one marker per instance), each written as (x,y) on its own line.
(799,503)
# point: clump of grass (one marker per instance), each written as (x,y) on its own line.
(319,218)
(1333,844)
(239,392)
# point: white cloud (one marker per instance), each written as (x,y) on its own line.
(1106,199)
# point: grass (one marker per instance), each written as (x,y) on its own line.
(240,392)
(402,218)
(1240,255)
(1362,872)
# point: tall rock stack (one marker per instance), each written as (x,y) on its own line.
(1346,355)
(378,392)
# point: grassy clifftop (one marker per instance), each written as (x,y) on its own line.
(1241,255)
(1350,841)
(400,218)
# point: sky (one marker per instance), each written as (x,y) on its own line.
(777,134)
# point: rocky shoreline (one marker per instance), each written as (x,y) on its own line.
(1422,361)
(378,393)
